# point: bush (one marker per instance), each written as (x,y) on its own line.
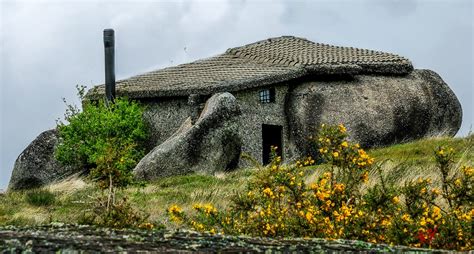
(278,202)
(40,197)
(103,136)
(107,139)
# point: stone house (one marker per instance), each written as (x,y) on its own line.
(286,86)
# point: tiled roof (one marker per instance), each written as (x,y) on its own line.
(258,64)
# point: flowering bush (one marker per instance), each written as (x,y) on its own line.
(278,202)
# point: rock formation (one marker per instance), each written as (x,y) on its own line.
(377,110)
(211,144)
(36,165)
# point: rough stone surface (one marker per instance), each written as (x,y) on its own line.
(378,110)
(36,165)
(86,239)
(211,144)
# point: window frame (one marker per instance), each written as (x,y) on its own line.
(266,95)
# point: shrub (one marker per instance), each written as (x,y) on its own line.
(106,138)
(40,197)
(278,202)
(100,131)
(117,214)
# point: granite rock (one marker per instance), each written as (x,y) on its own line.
(377,110)
(36,166)
(211,144)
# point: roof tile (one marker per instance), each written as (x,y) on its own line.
(258,64)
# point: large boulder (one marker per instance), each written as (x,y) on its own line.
(36,165)
(377,110)
(211,144)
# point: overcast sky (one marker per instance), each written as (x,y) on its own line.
(47,47)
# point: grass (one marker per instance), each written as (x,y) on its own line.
(399,163)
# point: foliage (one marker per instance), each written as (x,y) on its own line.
(279,202)
(106,138)
(118,214)
(40,197)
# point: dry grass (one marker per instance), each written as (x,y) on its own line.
(399,163)
(69,185)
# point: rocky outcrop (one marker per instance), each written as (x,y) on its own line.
(36,165)
(377,110)
(211,144)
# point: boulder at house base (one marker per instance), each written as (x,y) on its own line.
(377,110)
(36,166)
(211,144)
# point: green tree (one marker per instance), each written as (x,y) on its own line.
(104,138)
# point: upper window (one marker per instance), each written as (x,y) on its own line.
(267,95)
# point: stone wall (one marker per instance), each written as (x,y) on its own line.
(164,116)
(255,113)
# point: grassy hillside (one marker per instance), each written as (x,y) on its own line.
(70,199)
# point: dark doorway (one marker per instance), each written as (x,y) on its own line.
(271,136)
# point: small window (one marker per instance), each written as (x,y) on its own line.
(267,95)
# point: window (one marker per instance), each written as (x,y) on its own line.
(267,95)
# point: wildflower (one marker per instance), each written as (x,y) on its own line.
(344,144)
(468,171)
(406,217)
(339,187)
(365,177)
(335,154)
(174,209)
(436,213)
(395,200)
(457,182)
(422,222)
(268,192)
(342,128)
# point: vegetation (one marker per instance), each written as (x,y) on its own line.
(40,197)
(106,137)
(396,183)
(279,202)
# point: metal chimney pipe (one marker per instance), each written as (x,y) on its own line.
(109,47)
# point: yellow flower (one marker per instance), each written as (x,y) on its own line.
(406,217)
(395,200)
(365,177)
(342,128)
(457,182)
(174,209)
(468,171)
(335,154)
(344,144)
(268,192)
(422,222)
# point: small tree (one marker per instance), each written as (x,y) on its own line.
(105,139)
